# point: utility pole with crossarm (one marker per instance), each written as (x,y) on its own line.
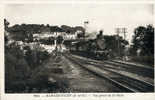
(124,31)
(118,32)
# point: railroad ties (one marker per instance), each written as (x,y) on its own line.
(124,81)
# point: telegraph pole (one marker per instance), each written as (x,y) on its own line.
(124,31)
(118,32)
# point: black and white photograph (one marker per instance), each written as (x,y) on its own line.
(79,48)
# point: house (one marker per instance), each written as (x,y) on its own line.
(55,31)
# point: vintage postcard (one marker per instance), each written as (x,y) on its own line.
(78,50)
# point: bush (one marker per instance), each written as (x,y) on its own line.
(16,72)
(35,57)
(19,66)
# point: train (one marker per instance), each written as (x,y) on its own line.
(92,48)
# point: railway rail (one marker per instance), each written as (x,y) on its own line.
(124,82)
(133,64)
(147,72)
(136,69)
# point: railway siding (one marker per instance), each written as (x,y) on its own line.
(139,86)
(133,64)
(120,69)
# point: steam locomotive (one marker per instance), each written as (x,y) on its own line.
(92,48)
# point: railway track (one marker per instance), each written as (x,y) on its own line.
(142,71)
(146,72)
(133,65)
(123,82)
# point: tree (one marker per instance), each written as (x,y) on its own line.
(55,29)
(47,25)
(80,35)
(67,29)
(59,39)
(79,28)
(6,27)
(6,24)
(143,40)
(111,43)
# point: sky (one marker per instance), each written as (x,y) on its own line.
(107,17)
